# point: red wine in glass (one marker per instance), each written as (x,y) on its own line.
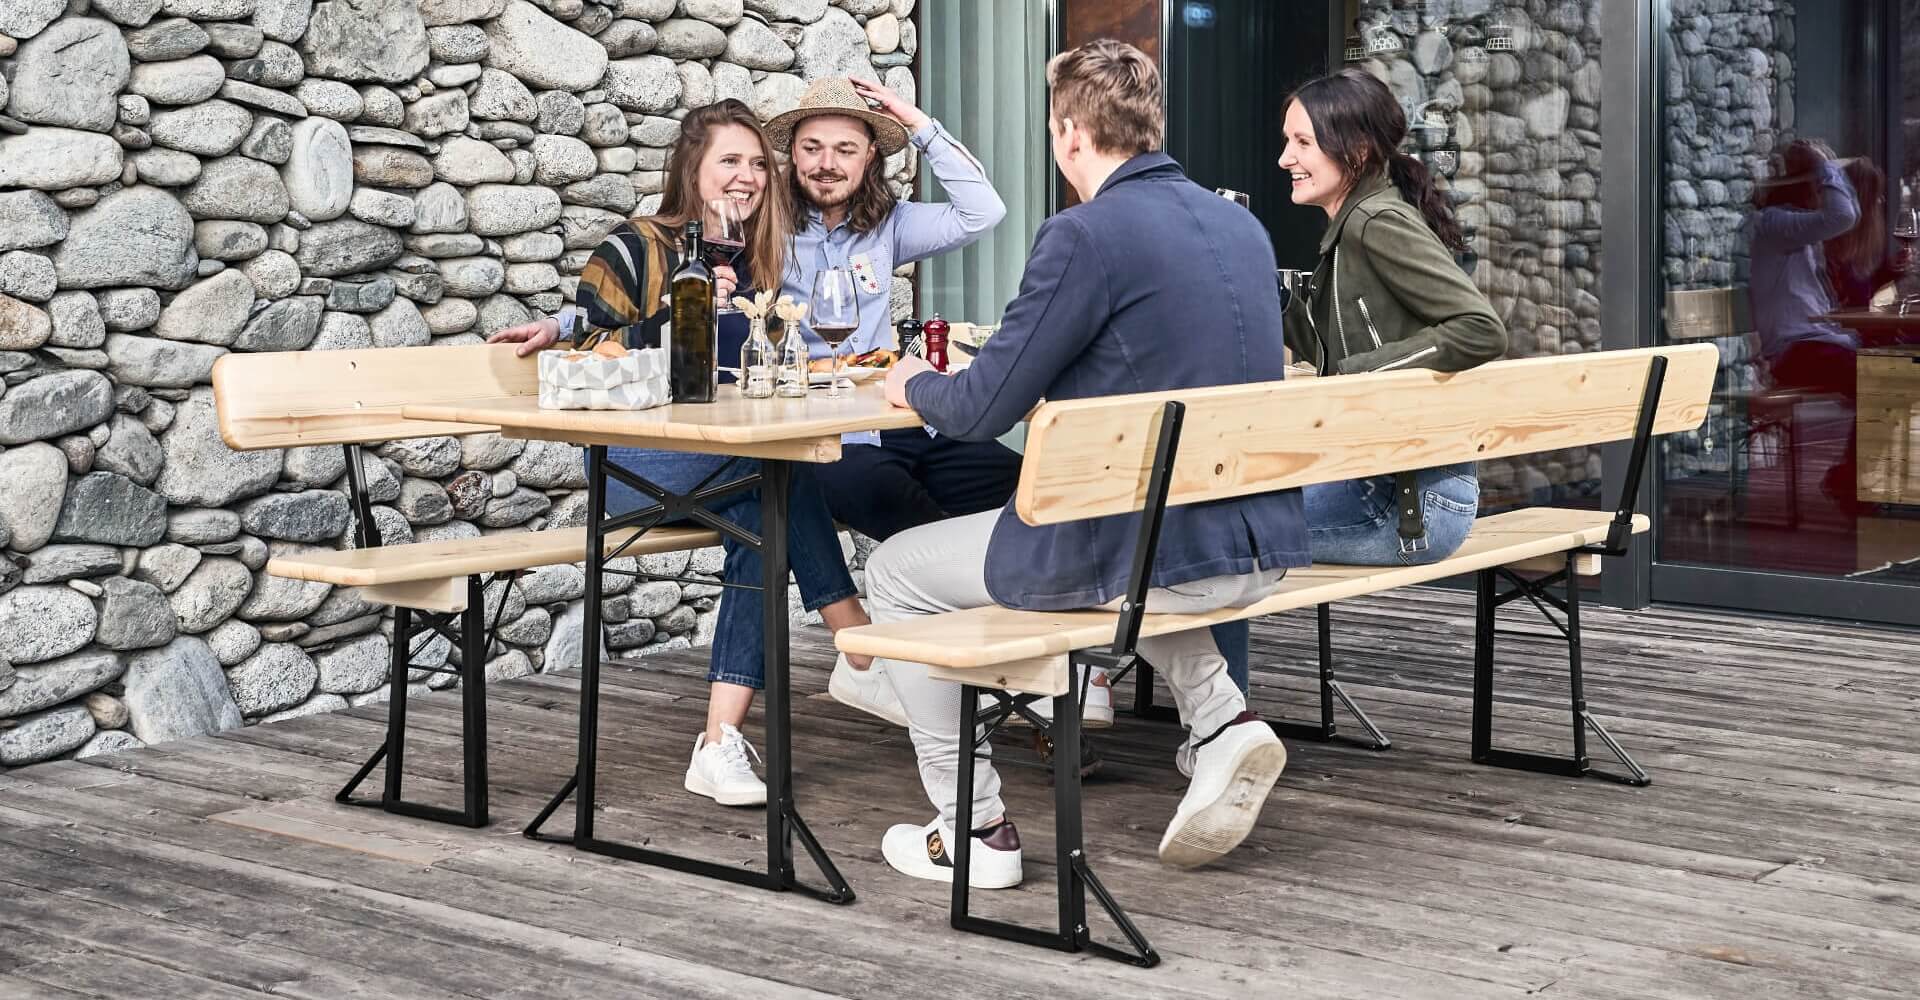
(836,314)
(722,253)
(834,335)
(725,237)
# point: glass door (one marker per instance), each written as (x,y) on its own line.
(1787,204)
(1504,103)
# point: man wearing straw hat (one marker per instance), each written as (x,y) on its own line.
(847,217)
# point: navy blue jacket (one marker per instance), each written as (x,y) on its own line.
(1155,284)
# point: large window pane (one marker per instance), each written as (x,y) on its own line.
(1786,180)
(1504,99)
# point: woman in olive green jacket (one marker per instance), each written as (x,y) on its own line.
(1388,294)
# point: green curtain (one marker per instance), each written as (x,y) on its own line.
(983,74)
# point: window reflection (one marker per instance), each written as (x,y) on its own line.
(1786,241)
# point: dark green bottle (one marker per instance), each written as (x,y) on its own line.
(693,337)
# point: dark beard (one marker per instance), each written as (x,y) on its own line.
(817,202)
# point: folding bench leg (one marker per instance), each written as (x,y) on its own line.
(1538,593)
(1330,689)
(1143,706)
(474,639)
(1076,877)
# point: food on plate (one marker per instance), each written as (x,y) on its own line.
(879,357)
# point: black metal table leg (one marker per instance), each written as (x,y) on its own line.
(783,819)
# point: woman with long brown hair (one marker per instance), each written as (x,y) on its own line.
(1388,294)
(722,154)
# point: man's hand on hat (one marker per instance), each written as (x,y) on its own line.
(893,104)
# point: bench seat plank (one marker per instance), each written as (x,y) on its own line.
(462,557)
(984,637)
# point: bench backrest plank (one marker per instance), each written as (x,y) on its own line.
(292,398)
(1093,457)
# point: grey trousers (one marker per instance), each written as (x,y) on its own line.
(941,567)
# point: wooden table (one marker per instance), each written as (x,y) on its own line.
(777,431)
(1887,380)
(1876,326)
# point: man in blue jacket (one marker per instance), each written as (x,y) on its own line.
(1152,284)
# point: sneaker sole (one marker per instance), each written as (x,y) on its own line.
(1093,719)
(935,873)
(1221,825)
(846,694)
(700,786)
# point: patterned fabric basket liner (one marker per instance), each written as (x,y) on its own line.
(637,381)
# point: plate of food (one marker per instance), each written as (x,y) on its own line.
(858,368)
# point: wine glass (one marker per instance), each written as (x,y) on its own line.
(1239,198)
(1906,229)
(725,239)
(836,314)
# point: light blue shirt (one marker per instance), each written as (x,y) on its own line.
(1789,280)
(913,231)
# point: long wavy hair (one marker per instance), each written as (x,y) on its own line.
(769,229)
(1360,125)
(871,203)
(1859,251)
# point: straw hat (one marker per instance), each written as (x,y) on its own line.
(836,96)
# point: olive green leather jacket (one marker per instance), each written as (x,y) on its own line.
(1388,294)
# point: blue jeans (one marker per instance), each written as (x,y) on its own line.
(911,479)
(813,551)
(1355,523)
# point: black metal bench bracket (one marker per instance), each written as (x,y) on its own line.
(1075,874)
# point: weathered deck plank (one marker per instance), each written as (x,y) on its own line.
(1771,858)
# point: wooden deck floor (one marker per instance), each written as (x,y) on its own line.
(1775,856)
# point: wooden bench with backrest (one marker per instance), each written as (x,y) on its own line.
(353,398)
(1139,454)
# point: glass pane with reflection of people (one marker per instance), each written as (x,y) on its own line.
(1789,244)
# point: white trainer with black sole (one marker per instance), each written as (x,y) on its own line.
(722,772)
(868,690)
(1232,773)
(921,851)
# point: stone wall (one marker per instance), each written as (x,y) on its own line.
(1728,102)
(1727,93)
(184,178)
(1504,102)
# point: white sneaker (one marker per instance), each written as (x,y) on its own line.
(921,851)
(868,690)
(1183,757)
(1097,714)
(1232,774)
(721,771)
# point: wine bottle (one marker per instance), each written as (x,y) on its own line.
(693,342)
